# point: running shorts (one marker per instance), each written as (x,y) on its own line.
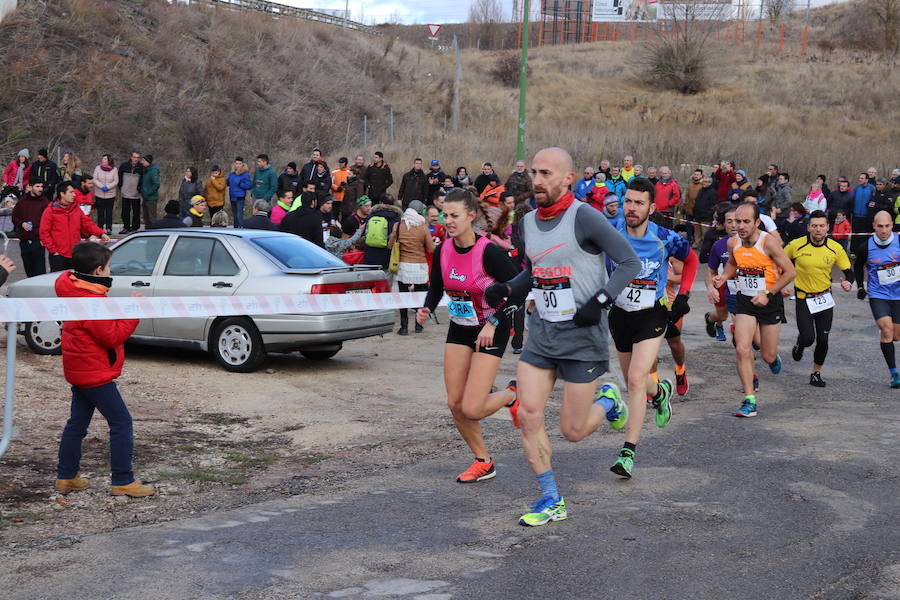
(882,307)
(466,336)
(629,328)
(573,371)
(770,314)
(674,329)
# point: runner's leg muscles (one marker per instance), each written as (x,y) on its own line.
(579,416)
(636,366)
(768,347)
(456,372)
(535,386)
(744,330)
(478,402)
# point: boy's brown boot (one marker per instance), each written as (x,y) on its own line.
(76,484)
(135,489)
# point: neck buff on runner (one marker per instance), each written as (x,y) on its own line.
(886,242)
(546,213)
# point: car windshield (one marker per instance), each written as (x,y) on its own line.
(296,253)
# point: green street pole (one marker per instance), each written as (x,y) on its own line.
(523,84)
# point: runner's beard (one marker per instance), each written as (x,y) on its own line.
(550,197)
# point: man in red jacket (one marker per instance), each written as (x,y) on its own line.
(93,353)
(668,196)
(63,225)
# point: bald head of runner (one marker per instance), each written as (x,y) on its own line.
(883,225)
(746,219)
(553,171)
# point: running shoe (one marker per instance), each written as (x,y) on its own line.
(517,351)
(479,471)
(895,380)
(720,333)
(662,405)
(755,382)
(710,326)
(747,409)
(545,510)
(624,463)
(797,352)
(756,346)
(775,365)
(815,379)
(514,407)
(681,384)
(861,294)
(618,414)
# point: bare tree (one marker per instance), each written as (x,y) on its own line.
(678,59)
(484,18)
(775,10)
(888,14)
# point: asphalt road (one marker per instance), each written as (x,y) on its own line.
(800,502)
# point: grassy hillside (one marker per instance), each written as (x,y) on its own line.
(196,85)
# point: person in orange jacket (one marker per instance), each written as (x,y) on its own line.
(63,225)
(339,179)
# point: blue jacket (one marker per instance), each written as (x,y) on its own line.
(862,194)
(618,187)
(239,185)
(583,187)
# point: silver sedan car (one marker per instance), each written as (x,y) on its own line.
(225,262)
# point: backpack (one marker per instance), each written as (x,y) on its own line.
(377,232)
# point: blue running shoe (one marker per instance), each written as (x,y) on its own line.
(895,380)
(775,366)
(747,409)
(618,414)
(720,333)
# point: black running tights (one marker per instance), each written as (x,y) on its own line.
(814,328)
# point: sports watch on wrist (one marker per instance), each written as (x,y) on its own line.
(603,299)
(493,320)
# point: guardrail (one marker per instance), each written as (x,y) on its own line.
(282,10)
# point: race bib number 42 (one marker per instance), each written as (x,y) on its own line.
(637,295)
(554,299)
(888,274)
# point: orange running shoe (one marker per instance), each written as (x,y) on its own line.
(479,471)
(514,407)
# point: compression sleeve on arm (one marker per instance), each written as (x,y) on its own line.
(598,231)
(848,275)
(689,273)
(498,266)
(520,285)
(435,280)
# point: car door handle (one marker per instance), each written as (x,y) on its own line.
(140,284)
(221,284)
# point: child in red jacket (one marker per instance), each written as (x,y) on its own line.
(841,229)
(93,353)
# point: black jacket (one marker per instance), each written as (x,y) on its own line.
(168,222)
(378,180)
(322,183)
(47,172)
(839,200)
(483,180)
(382,256)
(705,204)
(413,186)
(138,169)
(880,201)
(306,223)
(306,172)
(260,221)
(433,186)
(289,182)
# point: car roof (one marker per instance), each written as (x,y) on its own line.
(218,231)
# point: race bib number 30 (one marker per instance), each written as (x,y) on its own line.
(461,309)
(819,302)
(888,274)
(554,299)
(637,295)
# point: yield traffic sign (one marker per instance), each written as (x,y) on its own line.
(433,29)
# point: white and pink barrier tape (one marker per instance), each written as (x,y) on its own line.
(18,310)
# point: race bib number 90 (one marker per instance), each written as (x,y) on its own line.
(554,299)
(461,309)
(888,274)
(637,295)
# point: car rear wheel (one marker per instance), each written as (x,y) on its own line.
(237,345)
(44,337)
(312,354)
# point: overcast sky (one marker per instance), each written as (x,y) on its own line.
(435,11)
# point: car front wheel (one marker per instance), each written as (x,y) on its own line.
(44,337)
(237,345)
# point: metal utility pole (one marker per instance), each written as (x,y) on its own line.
(523,82)
(457,84)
